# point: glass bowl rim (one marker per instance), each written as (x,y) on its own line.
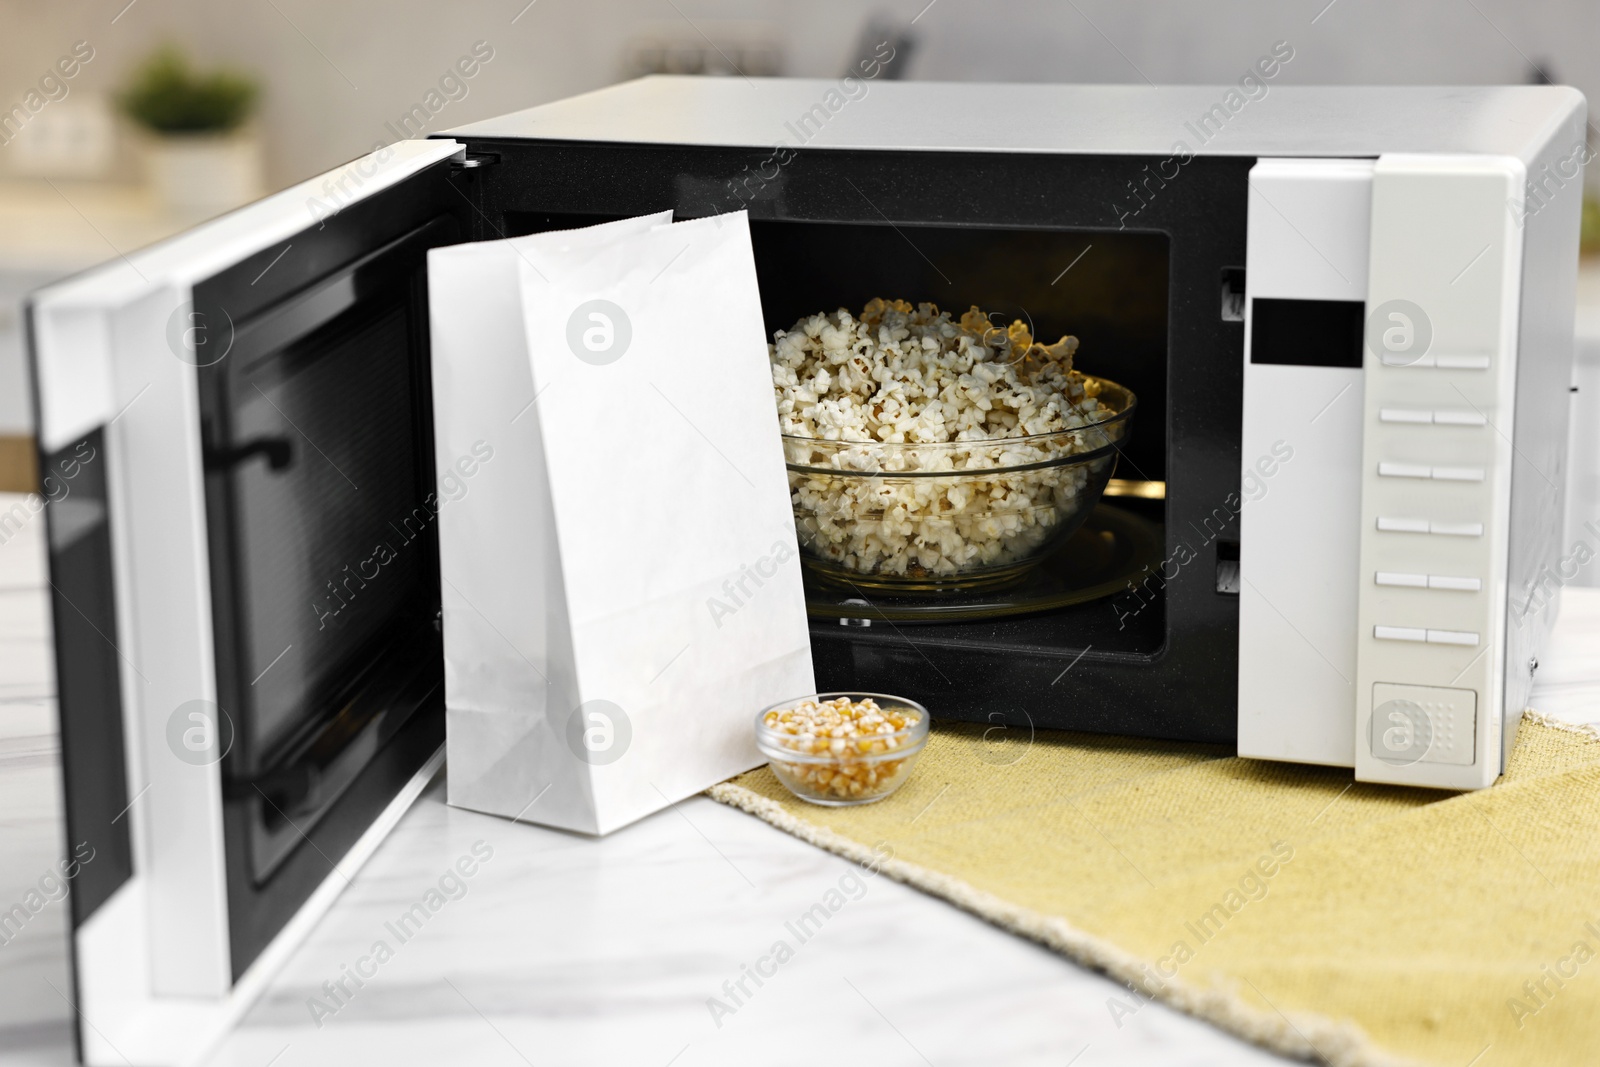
(886,447)
(915,735)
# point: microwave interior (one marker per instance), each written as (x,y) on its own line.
(1148,275)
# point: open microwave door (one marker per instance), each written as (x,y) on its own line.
(223,418)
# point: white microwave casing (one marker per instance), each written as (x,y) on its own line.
(1462,201)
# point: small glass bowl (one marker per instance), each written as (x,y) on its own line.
(843,772)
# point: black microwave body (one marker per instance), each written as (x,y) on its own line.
(1154,301)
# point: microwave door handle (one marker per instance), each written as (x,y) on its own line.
(279,452)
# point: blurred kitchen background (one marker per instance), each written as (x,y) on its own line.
(176,109)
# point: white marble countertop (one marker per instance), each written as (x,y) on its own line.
(565,949)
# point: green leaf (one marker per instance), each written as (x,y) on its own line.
(167,95)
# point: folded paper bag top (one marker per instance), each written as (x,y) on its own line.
(621,583)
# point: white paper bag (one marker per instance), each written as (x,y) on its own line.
(621,581)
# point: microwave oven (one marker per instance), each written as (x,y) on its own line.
(1346,313)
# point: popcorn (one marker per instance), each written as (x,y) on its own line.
(903,393)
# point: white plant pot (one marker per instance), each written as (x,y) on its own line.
(197,175)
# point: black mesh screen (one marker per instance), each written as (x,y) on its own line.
(326,541)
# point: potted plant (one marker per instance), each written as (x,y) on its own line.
(204,157)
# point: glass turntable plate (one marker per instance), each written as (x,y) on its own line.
(1110,548)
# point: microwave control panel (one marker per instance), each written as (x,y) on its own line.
(1436,451)
(1379,370)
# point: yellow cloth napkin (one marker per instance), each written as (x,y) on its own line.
(1356,924)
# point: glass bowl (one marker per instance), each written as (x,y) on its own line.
(838,772)
(958,515)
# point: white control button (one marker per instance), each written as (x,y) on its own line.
(1416,581)
(1460,418)
(1457,529)
(1424,724)
(1399,633)
(1404,415)
(1458,474)
(1445,581)
(1439,362)
(1397,525)
(1404,470)
(1452,637)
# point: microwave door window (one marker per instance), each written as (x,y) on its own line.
(331,528)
